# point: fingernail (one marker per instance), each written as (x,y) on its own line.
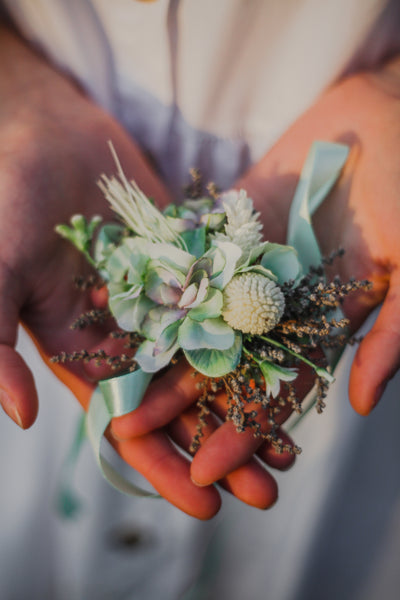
(10,408)
(196,483)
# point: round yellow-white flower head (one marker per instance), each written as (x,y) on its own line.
(253,303)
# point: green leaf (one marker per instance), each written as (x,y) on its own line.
(273,375)
(210,333)
(282,261)
(107,239)
(80,234)
(216,363)
(195,241)
(171,211)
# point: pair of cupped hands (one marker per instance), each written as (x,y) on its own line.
(53,150)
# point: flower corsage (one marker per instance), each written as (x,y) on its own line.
(197,281)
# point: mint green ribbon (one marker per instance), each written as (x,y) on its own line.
(115,397)
(122,394)
(319,174)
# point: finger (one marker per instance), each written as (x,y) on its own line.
(226,450)
(18,395)
(250,483)
(110,357)
(278,459)
(168,472)
(280,414)
(278,456)
(378,356)
(156,459)
(164,400)
(99,297)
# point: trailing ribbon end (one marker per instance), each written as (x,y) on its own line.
(113,398)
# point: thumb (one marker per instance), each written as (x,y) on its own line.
(378,356)
(18,395)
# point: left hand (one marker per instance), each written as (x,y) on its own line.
(361,214)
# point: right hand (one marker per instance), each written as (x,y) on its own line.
(53,148)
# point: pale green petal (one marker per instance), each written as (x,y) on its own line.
(259,269)
(158,318)
(200,269)
(210,333)
(130,312)
(180,225)
(189,295)
(169,274)
(171,255)
(161,286)
(167,338)
(216,363)
(255,253)
(213,220)
(210,308)
(225,257)
(273,375)
(127,257)
(201,295)
(151,362)
(120,291)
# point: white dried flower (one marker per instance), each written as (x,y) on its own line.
(253,303)
(135,209)
(242,227)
